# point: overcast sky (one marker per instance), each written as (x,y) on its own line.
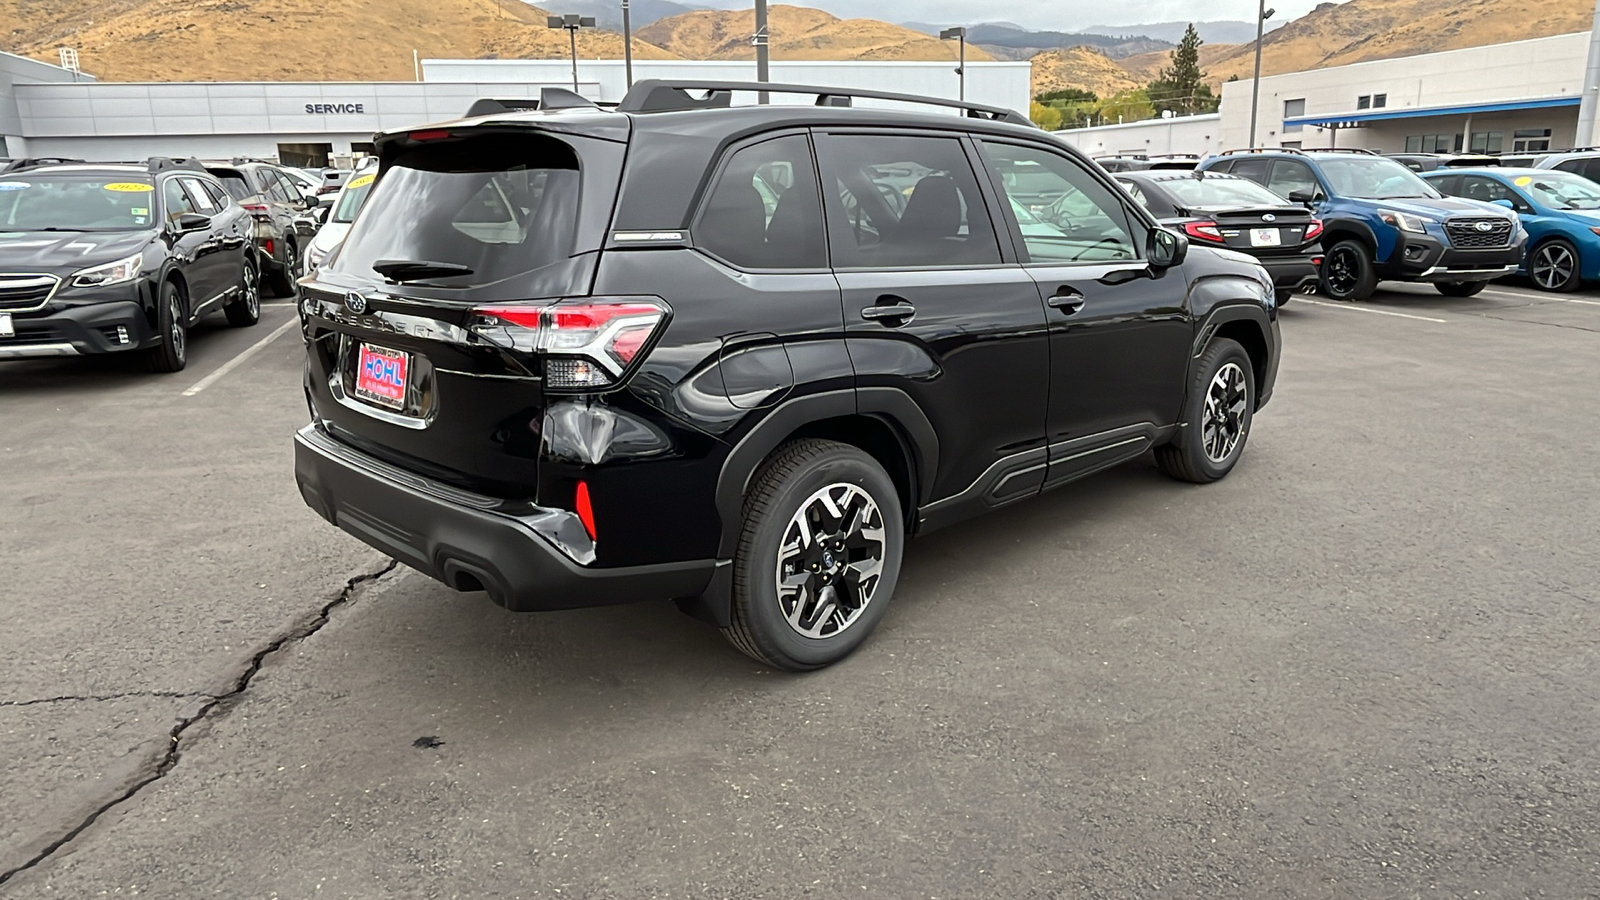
(1055,15)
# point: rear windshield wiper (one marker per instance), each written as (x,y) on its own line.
(412,269)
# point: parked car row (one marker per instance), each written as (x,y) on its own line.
(126,257)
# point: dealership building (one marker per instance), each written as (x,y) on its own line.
(49,111)
(1518,97)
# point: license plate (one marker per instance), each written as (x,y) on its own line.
(6,328)
(381,376)
(1265,237)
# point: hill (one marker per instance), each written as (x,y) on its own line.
(1148,66)
(288,40)
(1020,43)
(796,32)
(1219,32)
(1081,67)
(608,13)
(1361,30)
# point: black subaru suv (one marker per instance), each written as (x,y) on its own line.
(107,258)
(273,202)
(733,356)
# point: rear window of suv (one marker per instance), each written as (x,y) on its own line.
(498,206)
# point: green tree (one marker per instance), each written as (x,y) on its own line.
(1067,95)
(1127,106)
(1046,117)
(1181,87)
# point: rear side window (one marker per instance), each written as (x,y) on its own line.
(764,212)
(497,206)
(1253,169)
(278,187)
(903,202)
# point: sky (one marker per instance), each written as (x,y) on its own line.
(1055,15)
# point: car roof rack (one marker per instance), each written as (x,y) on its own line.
(549,98)
(663,95)
(1342,150)
(1243,150)
(17,165)
(241,160)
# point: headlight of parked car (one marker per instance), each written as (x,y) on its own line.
(110,273)
(1405,221)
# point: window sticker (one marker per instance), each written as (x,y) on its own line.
(361,181)
(128,187)
(1524,181)
(139,210)
(14,185)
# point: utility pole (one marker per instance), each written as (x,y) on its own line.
(1255,86)
(760,40)
(627,43)
(1591,86)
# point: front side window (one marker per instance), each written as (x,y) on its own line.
(1487,190)
(764,212)
(197,195)
(903,202)
(476,211)
(178,202)
(1289,176)
(1079,219)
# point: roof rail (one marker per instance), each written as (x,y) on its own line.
(1244,150)
(241,160)
(664,95)
(17,165)
(549,98)
(1342,150)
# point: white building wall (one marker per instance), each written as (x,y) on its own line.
(1201,135)
(1005,84)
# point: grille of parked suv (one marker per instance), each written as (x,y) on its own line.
(1467,234)
(23,293)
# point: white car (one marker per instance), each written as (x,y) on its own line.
(340,216)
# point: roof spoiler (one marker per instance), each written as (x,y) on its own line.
(549,98)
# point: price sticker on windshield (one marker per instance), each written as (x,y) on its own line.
(128,187)
(1524,181)
(361,181)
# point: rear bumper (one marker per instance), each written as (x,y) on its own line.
(80,331)
(1291,273)
(526,557)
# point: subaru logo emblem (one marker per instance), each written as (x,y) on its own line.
(1269,217)
(354,302)
(1485,226)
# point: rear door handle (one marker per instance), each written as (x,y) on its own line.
(1068,300)
(891,311)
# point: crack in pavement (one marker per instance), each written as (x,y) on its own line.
(100,698)
(173,753)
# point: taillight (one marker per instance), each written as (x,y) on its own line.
(586,343)
(1314,229)
(258,210)
(1203,231)
(432,135)
(585,509)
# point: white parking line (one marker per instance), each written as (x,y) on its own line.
(1368,309)
(1540,297)
(237,361)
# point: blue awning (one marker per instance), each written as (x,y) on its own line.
(1346,120)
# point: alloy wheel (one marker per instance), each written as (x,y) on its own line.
(1553,266)
(178,333)
(1226,405)
(1341,271)
(252,291)
(830,560)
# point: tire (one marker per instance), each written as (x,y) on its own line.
(283,280)
(1283,298)
(246,310)
(1348,273)
(1555,266)
(1216,417)
(803,485)
(1461,288)
(172,321)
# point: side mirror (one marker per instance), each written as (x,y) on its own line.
(193,222)
(1167,249)
(1504,203)
(305,225)
(1304,198)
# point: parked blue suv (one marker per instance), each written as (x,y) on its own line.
(1383,222)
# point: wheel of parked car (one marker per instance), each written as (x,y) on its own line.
(1554,266)
(245,310)
(171,321)
(1216,417)
(818,557)
(1347,272)
(283,281)
(1460,288)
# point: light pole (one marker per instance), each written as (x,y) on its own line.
(763,58)
(959,35)
(1591,84)
(572,23)
(1255,86)
(627,43)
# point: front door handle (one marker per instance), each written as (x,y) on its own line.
(891,311)
(1068,300)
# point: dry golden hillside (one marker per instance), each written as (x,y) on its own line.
(1081,67)
(287,40)
(796,32)
(1148,66)
(1384,29)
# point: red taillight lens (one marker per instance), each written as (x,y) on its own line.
(587,343)
(435,135)
(585,509)
(1314,229)
(258,210)
(1203,231)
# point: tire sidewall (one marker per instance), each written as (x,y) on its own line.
(760,604)
(1366,280)
(172,359)
(1218,355)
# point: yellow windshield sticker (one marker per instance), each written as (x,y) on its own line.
(361,181)
(129,187)
(1524,181)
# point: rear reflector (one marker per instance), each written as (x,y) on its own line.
(585,510)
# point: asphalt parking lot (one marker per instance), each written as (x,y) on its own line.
(1365,665)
